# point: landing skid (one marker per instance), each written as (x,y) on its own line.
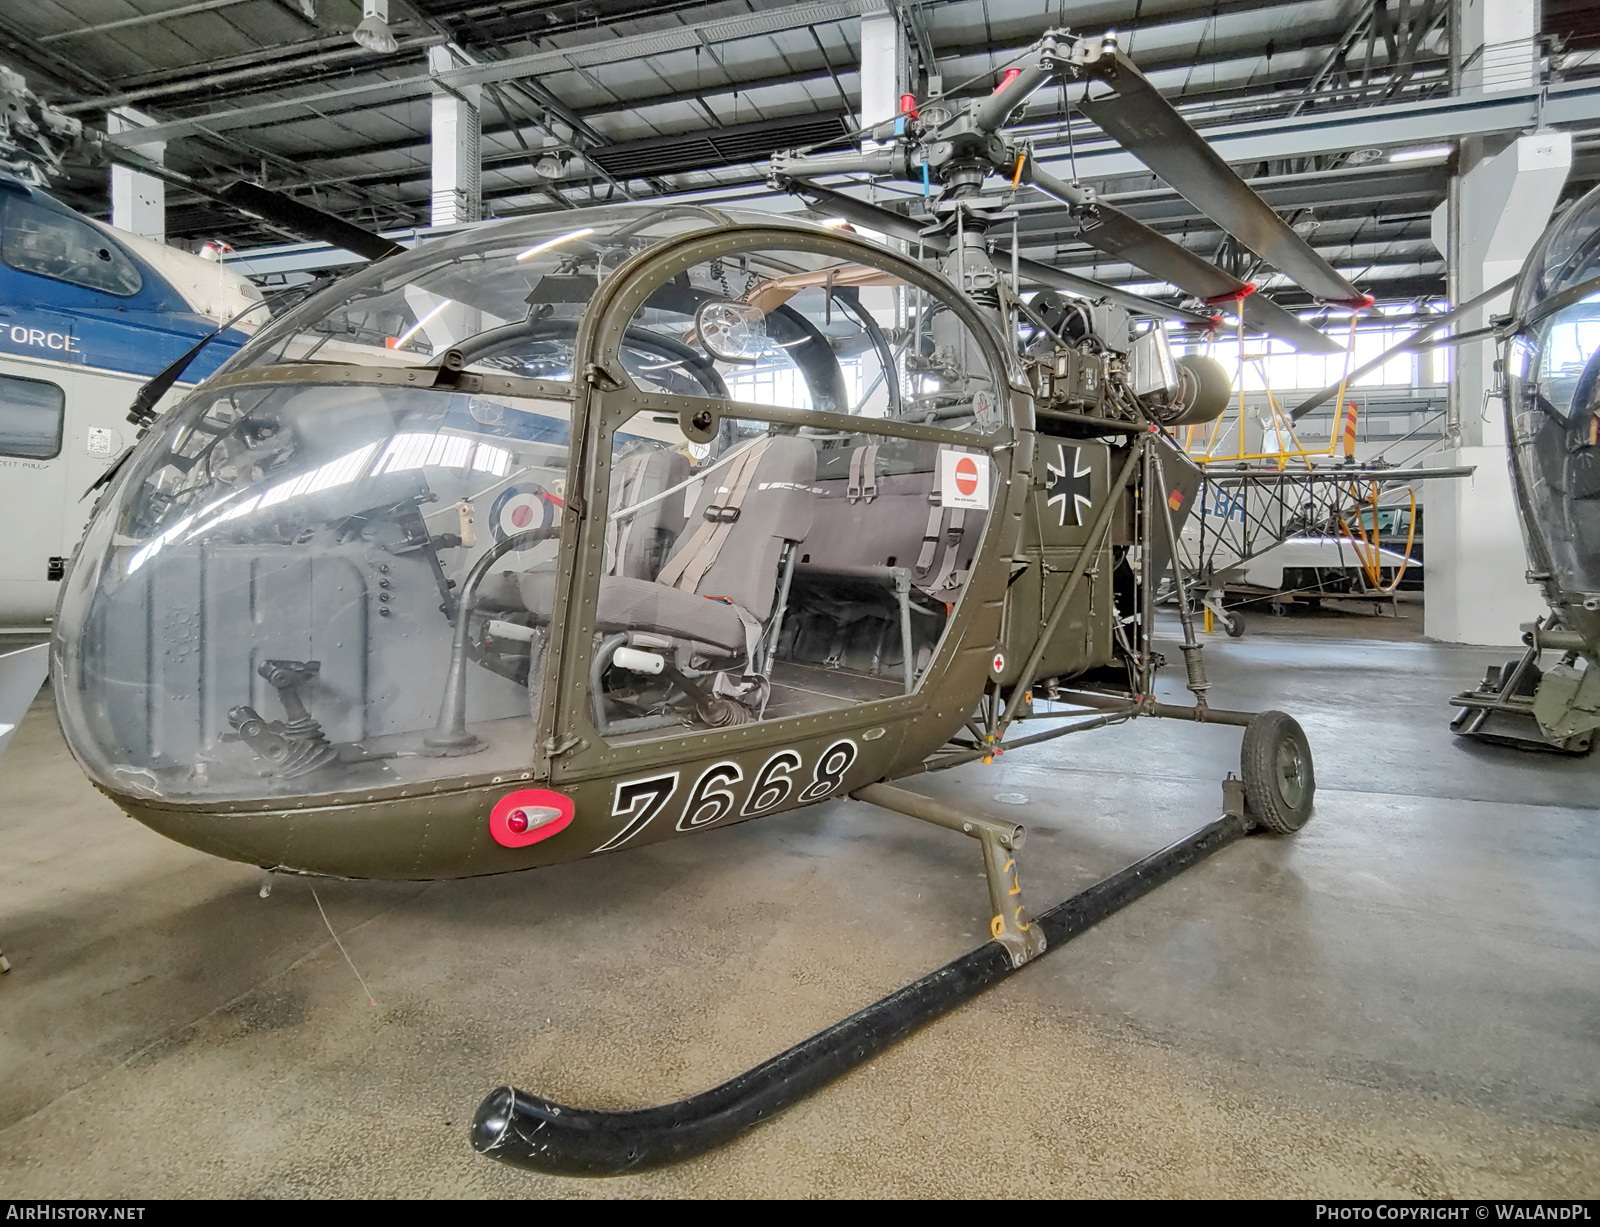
(532,1132)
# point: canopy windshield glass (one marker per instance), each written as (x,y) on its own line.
(508,296)
(1552,372)
(800,330)
(273,604)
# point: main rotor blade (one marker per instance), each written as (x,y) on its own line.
(1115,233)
(1087,287)
(873,217)
(279,210)
(1262,313)
(304,219)
(1411,341)
(1138,118)
(886,221)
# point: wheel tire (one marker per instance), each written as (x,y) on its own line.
(1280,782)
(1234,625)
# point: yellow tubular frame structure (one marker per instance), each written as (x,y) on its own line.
(1281,423)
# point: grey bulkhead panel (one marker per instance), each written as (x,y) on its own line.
(209,617)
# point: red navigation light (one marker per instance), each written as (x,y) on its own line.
(908,105)
(528,815)
(1011,74)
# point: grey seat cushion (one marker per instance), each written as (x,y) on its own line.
(640,605)
(626,604)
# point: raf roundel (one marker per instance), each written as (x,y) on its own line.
(519,508)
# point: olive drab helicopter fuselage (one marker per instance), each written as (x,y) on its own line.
(344,611)
(566,535)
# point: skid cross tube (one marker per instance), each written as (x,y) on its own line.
(1010,924)
(532,1132)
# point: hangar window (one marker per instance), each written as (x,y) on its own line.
(50,244)
(31,416)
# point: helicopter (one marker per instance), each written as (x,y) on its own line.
(1548,374)
(90,314)
(567,535)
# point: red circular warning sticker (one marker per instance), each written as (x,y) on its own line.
(966,475)
(998,664)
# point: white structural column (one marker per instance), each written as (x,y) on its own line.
(1497,44)
(883,68)
(457,140)
(138,200)
(1476,565)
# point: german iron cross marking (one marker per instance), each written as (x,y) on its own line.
(1069,485)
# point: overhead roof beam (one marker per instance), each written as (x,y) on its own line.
(340,49)
(530,67)
(526,67)
(184,10)
(58,66)
(1415,122)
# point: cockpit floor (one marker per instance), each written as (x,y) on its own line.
(803,690)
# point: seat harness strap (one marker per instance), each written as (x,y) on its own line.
(688,566)
(952,549)
(930,535)
(863,483)
(620,530)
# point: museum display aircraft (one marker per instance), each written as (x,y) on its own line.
(569,534)
(88,314)
(1549,387)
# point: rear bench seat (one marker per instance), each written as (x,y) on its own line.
(866,523)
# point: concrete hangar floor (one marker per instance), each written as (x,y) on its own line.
(1404,1000)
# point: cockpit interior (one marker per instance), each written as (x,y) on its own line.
(338,565)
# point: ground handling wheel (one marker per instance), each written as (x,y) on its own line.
(1279,781)
(1234,624)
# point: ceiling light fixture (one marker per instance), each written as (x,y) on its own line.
(1433,153)
(373,33)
